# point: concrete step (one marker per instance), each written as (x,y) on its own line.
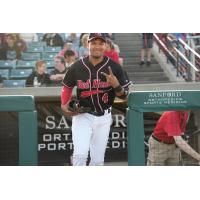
(143,69)
(135,62)
(128,42)
(133,59)
(130,45)
(131,53)
(130,48)
(147,74)
(127,36)
(150,81)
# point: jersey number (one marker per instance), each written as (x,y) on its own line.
(105,98)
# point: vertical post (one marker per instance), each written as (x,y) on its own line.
(177,57)
(192,71)
(177,64)
(136,154)
(28,152)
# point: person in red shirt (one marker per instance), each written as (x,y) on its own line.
(110,51)
(166,140)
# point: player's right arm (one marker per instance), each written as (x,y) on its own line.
(184,146)
(66,95)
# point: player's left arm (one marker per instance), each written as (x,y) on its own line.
(121,91)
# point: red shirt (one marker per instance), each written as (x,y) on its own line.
(113,55)
(171,123)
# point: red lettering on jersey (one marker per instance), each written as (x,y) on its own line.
(97,83)
(83,85)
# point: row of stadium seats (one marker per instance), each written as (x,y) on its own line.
(22,64)
(14,83)
(40,36)
(37,44)
(41,49)
(17,73)
(35,56)
(38,56)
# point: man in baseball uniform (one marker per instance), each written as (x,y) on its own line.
(98,80)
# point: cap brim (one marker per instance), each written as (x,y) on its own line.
(97,38)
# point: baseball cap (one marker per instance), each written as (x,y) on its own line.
(97,35)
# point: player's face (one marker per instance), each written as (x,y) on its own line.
(97,48)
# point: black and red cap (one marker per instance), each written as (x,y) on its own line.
(93,36)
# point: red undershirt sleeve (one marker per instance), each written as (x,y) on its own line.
(66,95)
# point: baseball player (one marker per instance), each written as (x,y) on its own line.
(98,80)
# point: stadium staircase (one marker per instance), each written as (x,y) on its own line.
(130,46)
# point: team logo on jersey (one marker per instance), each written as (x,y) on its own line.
(83,85)
(97,83)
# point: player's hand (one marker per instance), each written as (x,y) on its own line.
(111,78)
(68,112)
(74,106)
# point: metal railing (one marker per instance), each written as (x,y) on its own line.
(181,55)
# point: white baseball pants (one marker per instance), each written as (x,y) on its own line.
(90,133)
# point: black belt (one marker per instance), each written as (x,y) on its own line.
(98,114)
(155,138)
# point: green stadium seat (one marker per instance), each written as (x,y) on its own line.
(32,49)
(4,73)
(14,83)
(37,44)
(7,64)
(20,73)
(52,49)
(31,56)
(40,36)
(63,36)
(49,70)
(48,56)
(25,64)
(50,64)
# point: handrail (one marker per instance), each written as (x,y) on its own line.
(163,45)
(180,54)
(193,36)
(188,47)
(191,69)
(183,56)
